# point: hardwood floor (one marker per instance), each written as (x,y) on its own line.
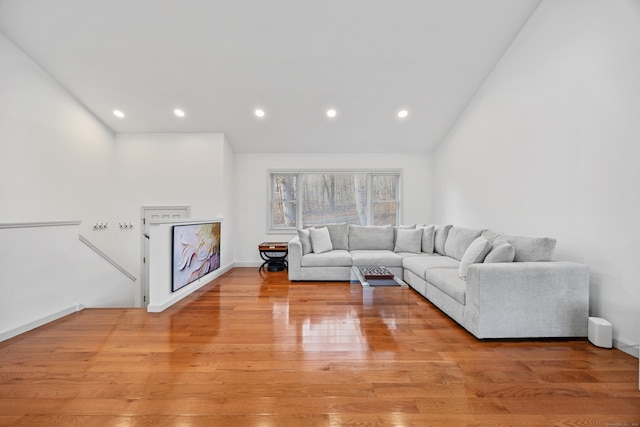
(262,351)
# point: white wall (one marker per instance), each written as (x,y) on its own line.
(251,190)
(549,146)
(171,170)
(47,272)
(59,163)
(56,158)
(56,163)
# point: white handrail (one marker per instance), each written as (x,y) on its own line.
(38,224)
(106,258)
(82,239)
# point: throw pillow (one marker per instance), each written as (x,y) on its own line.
(476,252)
(408,240)
(441,237)
(428,237)
(320,240)
(398,227)
(305,240)
(501,252)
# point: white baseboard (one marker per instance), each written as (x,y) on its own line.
(39,322)
(627,347)
(157,308)
(248,264)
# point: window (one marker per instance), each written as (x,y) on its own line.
(320,197)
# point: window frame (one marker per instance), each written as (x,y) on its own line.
(300,202)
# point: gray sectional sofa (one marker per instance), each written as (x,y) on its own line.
(494,284)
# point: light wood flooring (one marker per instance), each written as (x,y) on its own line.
(258,350)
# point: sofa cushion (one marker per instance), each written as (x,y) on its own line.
(370,237)
(448,281)
(491,235)
(339,235)
(428,237)
(502,251)
(305,241)
(475,253)
(440,238)
(376,257)
(458,240)
(531,249)
(419,264)
(335,258)
(320,240)
(408,240)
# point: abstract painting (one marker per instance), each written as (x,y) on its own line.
(196,252)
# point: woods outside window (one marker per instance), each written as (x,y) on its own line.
(299,199)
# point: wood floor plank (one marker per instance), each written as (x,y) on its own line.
(253,349)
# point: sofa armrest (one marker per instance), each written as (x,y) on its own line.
(295,259)
(527,299)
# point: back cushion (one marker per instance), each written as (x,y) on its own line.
(531,249)
(339,235)
(458,240)
(370,237)
(491,235)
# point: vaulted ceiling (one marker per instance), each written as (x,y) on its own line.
(220,60)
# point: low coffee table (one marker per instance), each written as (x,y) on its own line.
(373,275)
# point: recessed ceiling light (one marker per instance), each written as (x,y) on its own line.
(178,112)
(331,113)
(259,112)
(403,114)
(119,114)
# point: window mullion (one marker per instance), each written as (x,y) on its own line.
(370,209)
(300,198)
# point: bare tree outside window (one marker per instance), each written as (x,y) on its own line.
(331,198)
(366,198)
(283,201)
(360,191)
(385,199)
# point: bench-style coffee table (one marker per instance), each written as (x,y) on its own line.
(373,275)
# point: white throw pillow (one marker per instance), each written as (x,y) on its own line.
(440,238)
(502,251)
(428,238)
(408,240)
(477,250)
(320,240)
(305,240)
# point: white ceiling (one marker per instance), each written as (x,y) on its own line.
(220,59)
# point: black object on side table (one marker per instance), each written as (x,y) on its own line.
(274,255)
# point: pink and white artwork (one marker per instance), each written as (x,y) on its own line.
(196,252)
